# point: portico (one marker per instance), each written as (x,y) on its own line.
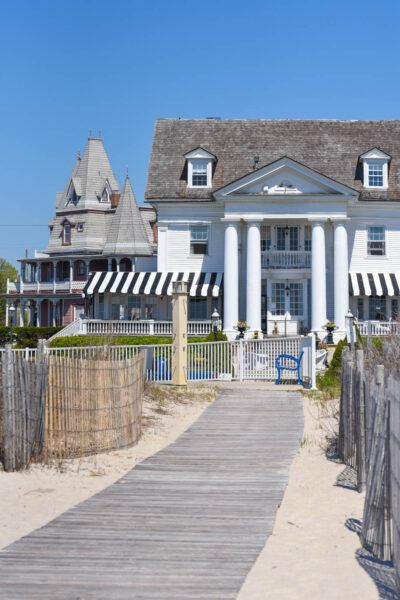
(284,299)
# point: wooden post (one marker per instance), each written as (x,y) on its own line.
(360,423)
(179,333)
(8,409)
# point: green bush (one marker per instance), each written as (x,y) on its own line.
(221,337)
(26,337)
(83,340)
(329,382)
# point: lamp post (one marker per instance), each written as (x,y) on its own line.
(12,312)
(214,321)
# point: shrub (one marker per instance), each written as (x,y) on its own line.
(26,337)
(83,340)
(221,337)
(329,382)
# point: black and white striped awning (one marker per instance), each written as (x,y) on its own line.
(374,284)
(158,284)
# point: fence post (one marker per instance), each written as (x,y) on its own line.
(8,409)
(360,421)
(179,333)
(41,351)
(369,332)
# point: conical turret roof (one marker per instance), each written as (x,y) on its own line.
(127,233)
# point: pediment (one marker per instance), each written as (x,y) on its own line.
(284,177)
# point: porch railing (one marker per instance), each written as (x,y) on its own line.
(379,328)
(143,327)
(19,287)
(285,259)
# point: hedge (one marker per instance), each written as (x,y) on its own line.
(84,340)
(26,337)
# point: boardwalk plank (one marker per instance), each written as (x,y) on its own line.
(187,523)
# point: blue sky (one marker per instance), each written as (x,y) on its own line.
(68,66)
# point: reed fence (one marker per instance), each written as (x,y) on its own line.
(55,408)
(369,441)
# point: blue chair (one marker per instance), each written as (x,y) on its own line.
(280,367)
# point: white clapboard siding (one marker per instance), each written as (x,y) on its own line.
(178,250)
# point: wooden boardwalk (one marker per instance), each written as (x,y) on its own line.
(187,523)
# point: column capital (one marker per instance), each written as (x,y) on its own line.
(231,220)
(255,220)
(317,220)
(340,221)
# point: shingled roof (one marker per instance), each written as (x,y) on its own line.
(127,233)
(332,148)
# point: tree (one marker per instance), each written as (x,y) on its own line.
(7,271)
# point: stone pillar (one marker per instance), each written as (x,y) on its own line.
(231,278)
(318,278)
(253,280)
(341,277)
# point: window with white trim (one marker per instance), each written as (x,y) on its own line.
(278,298)
(66,234)
(266,240)
(79,227)
(375,174)
(296,299)
(377,308)
(376,244)
(199,172)
(199,239)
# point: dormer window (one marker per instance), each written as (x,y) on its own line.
(199,168)
(74,191)
(375,169)
(106,193)
(66,234)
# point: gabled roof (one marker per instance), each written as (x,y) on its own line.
(127,233)
(333,148)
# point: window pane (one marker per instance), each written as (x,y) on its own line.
(134,307)
(150,307)
(198,308)
(265,237)
(278,299)
(376,241)
(199,232)
(360,309)
(375,175)
(280,241)
(307,238)
(199,172)
(377,308)
(296,299)
(294,238)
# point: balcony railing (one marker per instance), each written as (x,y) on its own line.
(285,259)
(379,328)
(52,287)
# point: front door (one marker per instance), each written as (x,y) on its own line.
(287,307)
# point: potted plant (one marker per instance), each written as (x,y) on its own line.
(241,327)
(330,327)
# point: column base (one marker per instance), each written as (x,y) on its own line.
(338,334)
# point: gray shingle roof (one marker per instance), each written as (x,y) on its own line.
(127,233)
(332,148)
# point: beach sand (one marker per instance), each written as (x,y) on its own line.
(311,554)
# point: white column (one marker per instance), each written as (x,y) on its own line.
(38,313)
(22,313)
(7,313)
(118,261)
(341,275)
(231,277)
(253,278)
(54,311)
(318,277)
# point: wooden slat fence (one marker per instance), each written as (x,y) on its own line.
(56,408)
(369,441)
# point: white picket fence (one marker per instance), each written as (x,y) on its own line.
(209,361)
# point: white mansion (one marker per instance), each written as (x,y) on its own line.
(281,223)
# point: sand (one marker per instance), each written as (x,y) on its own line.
(31,498)
(311,554)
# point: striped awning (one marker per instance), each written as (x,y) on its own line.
(158,284)
(374,284)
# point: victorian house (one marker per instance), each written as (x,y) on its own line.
(96,228)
